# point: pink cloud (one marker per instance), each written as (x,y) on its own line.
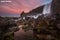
(17,6)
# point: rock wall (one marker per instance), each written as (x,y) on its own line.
(56,6)
(48,28)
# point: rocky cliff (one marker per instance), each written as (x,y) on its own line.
(48,28)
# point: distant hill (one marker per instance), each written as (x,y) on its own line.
(34,11)
(37,10)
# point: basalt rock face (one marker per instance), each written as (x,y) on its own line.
(48,28)
(56,6)
(56,11)
(35,11)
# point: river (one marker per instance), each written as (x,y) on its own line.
(22,35)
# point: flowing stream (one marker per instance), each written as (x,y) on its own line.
(22,35)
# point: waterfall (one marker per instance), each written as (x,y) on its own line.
(47,9)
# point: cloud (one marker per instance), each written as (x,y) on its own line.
(17,6)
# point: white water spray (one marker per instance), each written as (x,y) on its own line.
(47,9)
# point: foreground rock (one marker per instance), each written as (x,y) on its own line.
(7,29)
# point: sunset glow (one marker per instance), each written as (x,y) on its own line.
(17,6)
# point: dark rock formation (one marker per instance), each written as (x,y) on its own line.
(48,28)
(56,12)
(35,11)
(56,6)
(7,29)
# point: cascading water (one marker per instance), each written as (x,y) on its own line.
(47,9)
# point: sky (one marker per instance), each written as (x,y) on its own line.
(15,7)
